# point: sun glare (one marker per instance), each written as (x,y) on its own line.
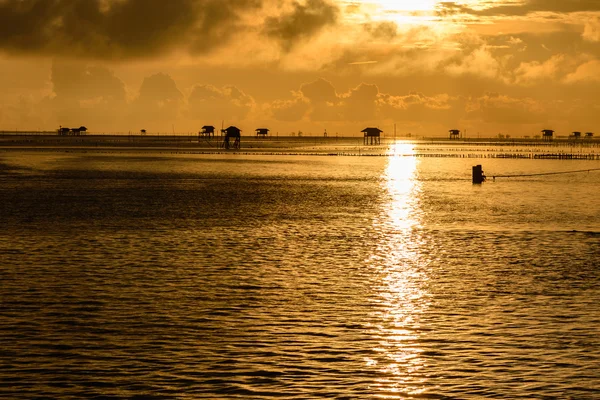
(405,5)
(405,12)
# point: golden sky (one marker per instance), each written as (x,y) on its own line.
(490,66)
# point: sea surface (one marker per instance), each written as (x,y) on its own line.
(161,275)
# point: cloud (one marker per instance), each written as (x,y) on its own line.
(295,109)
(531,72)
(228,102)
(360,104)
(159,103)
(159,89)
(479,62)
(124,29)
(517,8)
(418,107)
(502,109)
(586,72)
(79,81)
(591,30)
(85,95)
(304,20)
(320,91)
(320,101)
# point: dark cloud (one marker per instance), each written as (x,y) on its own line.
(159,102)
(360,103)
(85,95)
(324,100)
(210,102)
(290,110)
(382,30)
(159,88)
(502,109)
(77,81)
(520,9)
(303,21)
(117,28)
(320,91)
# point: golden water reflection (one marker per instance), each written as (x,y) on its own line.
(400,292)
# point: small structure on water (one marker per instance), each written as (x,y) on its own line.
(143,132)
(454,133)
(62,131)
(589,135)
(207,131)
(576,135)
(234,133)
(478,175)
(264,132)
(547,134)
(372,135)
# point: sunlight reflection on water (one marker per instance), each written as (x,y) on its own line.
(402,297)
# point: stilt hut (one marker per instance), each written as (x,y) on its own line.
(79,131)
(589,135)
(547,134)
(372,135)
(262,132)
(207,131)
(454,133)
(576,135)
(234,133)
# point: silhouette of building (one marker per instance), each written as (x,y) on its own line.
(576,135)
(262,132)
(372,135)
(232,132)
(547,134)
(207,130)
(72,131)
(79,131)
(589,135)
(454,133)
(143,132)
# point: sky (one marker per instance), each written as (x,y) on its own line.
(487,67)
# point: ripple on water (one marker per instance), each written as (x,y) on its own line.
(290,289)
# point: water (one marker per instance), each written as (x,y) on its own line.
(180,276)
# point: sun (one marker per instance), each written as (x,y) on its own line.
(404,5)
(403,12)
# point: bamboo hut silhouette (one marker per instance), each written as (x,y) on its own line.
(143,132)
(232,132)
(207,131)
(264,132)
(63,131)
(454,133)
(372,135)
(589,135)
(79,131)
(576,135)
(547,134)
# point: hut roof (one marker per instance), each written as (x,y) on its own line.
(454,131)
(232,131)
(372,131)
(207,127)
(548,131)
(262,130)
